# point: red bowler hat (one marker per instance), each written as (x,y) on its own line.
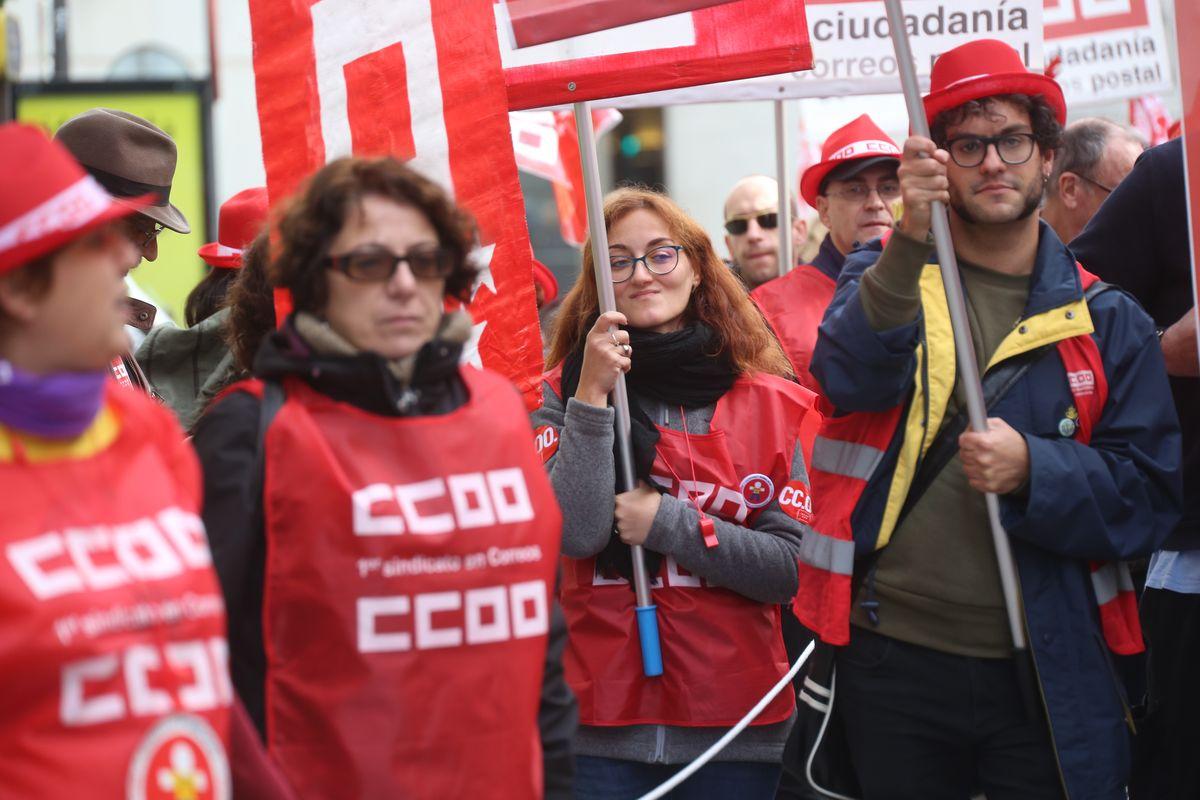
(242,218)
(984,68)
(47,200)
(861,142)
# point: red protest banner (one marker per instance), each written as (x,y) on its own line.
(1064,18)
(420,79)
(742,39)
(1187,22)
(541,21)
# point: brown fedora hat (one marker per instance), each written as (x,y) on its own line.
(129,156)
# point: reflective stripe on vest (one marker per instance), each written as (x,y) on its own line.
(847,459)
(850,448)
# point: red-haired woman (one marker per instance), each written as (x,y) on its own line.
(720,507)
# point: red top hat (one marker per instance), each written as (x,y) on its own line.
(242,217)
(47,200)
(859,140)
(984,68)
(542,275)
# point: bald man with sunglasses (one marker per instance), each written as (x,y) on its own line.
(752,229)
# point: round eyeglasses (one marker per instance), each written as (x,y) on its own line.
(428,263)
(659,261)
(970,151)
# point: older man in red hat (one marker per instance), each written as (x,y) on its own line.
(1082,450)
(853,187)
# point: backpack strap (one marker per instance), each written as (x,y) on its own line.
(272,399)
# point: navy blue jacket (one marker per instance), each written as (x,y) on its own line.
(1114,499)
(1139,241)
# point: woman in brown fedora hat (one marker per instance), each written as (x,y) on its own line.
(112,629)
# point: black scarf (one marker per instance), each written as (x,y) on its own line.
(688,368)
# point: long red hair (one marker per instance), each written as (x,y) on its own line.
(719,301)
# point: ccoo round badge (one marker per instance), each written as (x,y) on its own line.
(757,490)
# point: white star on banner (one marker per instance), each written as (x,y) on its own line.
(481,257)
(470,352)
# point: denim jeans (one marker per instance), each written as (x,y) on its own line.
(599,778)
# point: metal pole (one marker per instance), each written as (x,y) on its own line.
(967,366)
(783,176)
(647,619)
(61,72)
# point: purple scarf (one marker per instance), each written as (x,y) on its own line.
(58,406)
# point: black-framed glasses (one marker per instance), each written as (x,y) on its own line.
(970,150)
(659,261)
(767,220)
(1094,182)
(859,192)
(429,263)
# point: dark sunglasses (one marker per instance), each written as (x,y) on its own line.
(739,225)
(428,263)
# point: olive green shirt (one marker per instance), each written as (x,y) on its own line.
(937,581)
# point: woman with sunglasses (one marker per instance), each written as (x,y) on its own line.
(720,507)
(385,538)
(112,629)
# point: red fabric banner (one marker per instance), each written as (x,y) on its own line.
(1187,22)
(420,79)
(742,39)
(541,21)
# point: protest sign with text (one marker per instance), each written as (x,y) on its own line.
(853,54)
(1109,49)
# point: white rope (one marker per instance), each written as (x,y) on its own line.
(731,734)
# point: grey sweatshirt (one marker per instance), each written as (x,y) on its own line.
(758,563)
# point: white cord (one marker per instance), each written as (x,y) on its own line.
(731,734)
(808,765)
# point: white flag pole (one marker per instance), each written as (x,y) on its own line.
(783,175)
(647,619)
(967,365)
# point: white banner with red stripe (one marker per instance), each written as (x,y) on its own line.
(420,79)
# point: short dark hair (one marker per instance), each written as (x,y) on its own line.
(208,296)
(35,277)
(316,215)
(1047,131)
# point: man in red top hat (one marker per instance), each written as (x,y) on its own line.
(853,188)
(1082,452)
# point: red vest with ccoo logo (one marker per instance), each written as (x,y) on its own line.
(721,651)
(112,626)
(794,305)
(410,565)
